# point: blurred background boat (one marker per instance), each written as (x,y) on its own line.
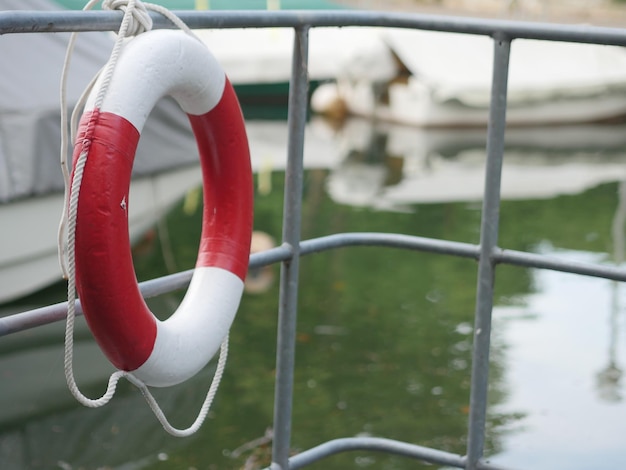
(435,79)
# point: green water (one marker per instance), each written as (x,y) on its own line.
(383,347)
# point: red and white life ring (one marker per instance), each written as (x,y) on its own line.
(161,353)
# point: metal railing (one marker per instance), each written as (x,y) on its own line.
(488,253)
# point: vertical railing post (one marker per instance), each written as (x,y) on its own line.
(288,297)
(488,243)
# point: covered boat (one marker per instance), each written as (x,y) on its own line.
(434,79)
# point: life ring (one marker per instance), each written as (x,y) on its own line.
(161,353)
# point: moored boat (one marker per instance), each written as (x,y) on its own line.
(435,79)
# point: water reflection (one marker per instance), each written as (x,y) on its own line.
(384,336)
(608,379)
(389,167)
(260,280)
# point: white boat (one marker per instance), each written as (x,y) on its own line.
(435,79)
(28,240)
(28,252)
(31,181)
(30,117)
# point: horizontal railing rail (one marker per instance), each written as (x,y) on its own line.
(154,287)
(487,252)
(68,21)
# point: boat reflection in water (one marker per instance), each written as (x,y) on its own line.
(391,167)
(399,323)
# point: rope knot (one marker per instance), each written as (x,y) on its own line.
(139,21)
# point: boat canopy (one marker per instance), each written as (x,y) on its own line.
(30,122)
(459,67)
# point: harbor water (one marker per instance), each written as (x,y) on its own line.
(384,335)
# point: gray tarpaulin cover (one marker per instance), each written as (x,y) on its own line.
(30,130)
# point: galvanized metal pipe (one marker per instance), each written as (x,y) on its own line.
(152,288)
(378,444)
(370,444)
(292,215)
(66,21)
(488,244)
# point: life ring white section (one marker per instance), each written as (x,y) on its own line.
(196,83)
(196,330)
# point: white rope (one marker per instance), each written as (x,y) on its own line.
(206,405)
(139,21)
(135,21)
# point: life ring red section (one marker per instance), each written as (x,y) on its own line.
(115,311)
